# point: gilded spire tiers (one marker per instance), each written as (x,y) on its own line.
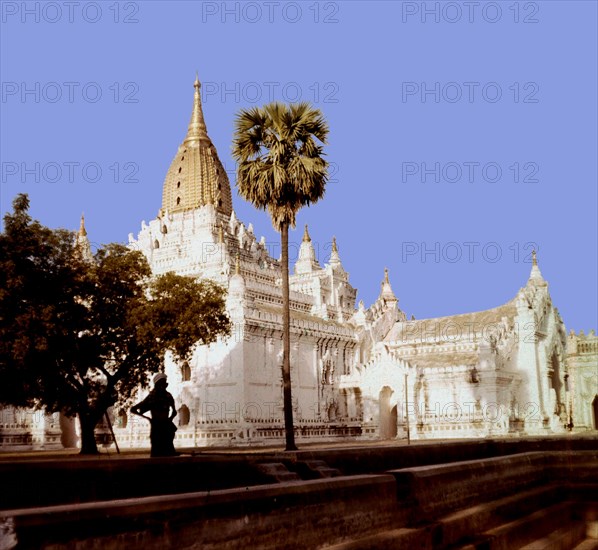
(196,177)
(82,230)
(306,237)
(197,130)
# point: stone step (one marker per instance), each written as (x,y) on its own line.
(394,539)
(435,490)
(314,469)
(564,538)
(464,525)
(588,544)
(277,471)
(526,519)
(274,516)
(525,530)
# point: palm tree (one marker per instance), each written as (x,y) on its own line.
(280,169)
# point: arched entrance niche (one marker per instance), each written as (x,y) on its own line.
(388,414)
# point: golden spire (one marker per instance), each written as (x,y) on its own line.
(534,257)
(196,176)
(197,126)
(306,237)
(82,230)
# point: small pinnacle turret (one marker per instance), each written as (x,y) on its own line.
(386,292)
(306,237)
(535,277)
(82,243)
(335,259)
(236,285)
(307,261)
(82,230)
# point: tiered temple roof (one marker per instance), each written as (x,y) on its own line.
(196,176)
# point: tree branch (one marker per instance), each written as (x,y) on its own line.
(107,374)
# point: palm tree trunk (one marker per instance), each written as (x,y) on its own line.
(286,343)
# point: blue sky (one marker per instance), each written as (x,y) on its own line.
(462,135)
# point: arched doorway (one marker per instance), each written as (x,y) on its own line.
(184,416)
(332,411)
(595,411)
(185,372)
(554,382)
(388,415)
(122,419)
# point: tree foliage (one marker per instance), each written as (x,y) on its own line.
(281,165)
(78,334)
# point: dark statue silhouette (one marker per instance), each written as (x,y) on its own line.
(160,403)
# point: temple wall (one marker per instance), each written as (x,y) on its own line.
(582,362)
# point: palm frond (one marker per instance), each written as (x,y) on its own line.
(278,149)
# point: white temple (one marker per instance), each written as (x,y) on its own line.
(356,372)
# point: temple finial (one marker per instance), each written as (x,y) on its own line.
(82,230)
(386,292)
(197,126)
(335,260)
(307,261)
(306,237)
(82,243)
(535,276)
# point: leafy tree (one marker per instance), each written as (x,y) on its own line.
(77,334)
(281,169)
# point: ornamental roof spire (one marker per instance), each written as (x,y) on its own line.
(82,230)
(236,285)
(307,261)
(335,259)
(306,237)
(82,244)
(197,127)
(196,177)
(535,276)
(386,292)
